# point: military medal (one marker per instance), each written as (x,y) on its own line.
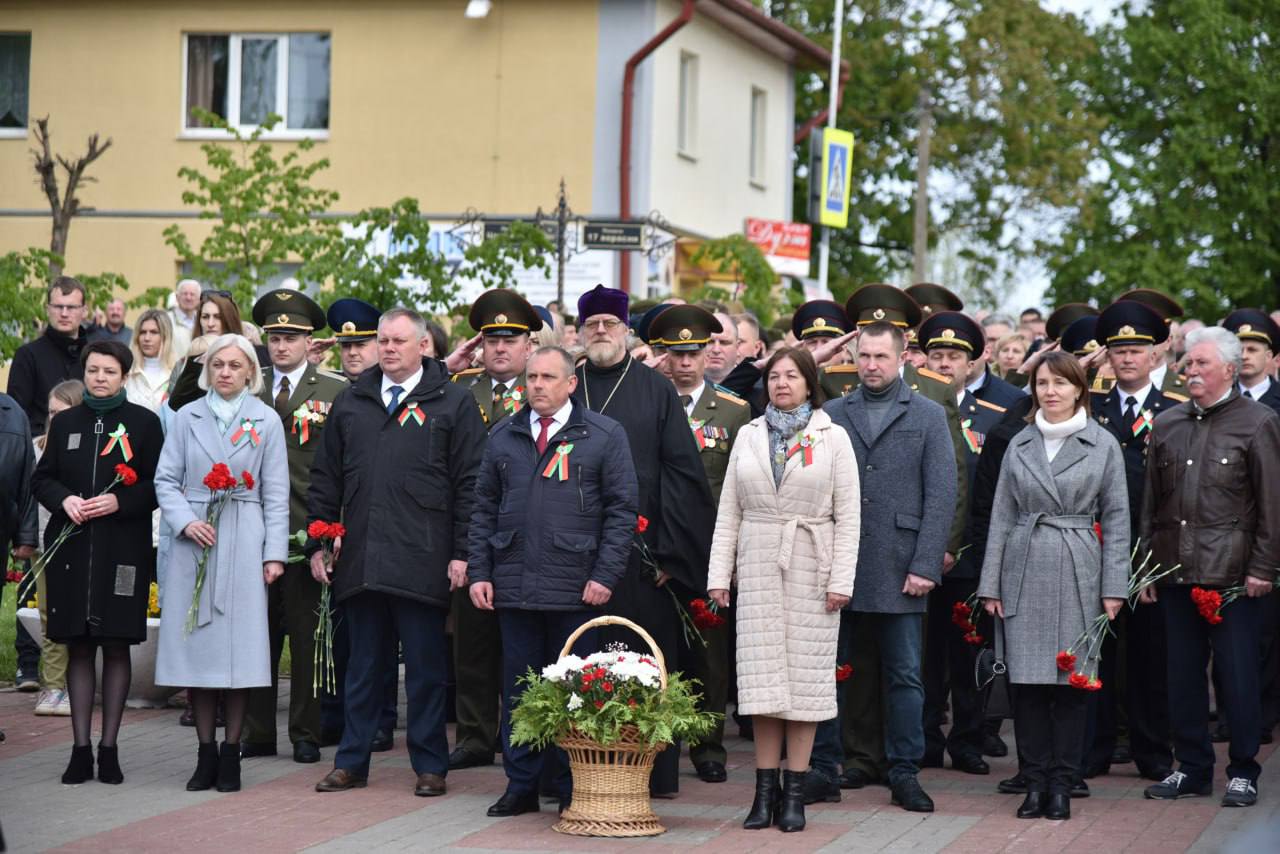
(413,411)
(119,437)
(246,429)
(559,462)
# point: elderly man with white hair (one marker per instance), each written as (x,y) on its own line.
(1212,509)
(184,314)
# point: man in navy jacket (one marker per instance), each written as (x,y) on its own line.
(551,531)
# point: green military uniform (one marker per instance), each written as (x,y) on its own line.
(293,602)
(477,640)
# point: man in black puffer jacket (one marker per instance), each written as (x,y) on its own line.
(551,529)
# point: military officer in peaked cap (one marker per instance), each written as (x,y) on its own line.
(1131,331)
(1168,309)
(715,417)
(934,298)
(817,322)
(953,342)
(643,330)
(302,395)
(1065,315)
(355,330)
(504,319)
(1260,339)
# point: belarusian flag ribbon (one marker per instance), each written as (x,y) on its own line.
(1142,423)
(970,438)
(412,410)
(301,426)
(513,399)
(246,429)
(119,437)
(803,446)
(698,435)
(559,462)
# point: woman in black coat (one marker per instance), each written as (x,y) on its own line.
(99,579)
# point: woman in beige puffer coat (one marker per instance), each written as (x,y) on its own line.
(787,530)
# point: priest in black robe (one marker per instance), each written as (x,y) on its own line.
(674,495)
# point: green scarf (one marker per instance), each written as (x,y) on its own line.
(103,405)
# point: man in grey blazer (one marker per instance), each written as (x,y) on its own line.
(907,470)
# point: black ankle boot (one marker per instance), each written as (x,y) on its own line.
(764,809)
(206,768)
(791,812)
(109,764)
(80,768)
(1058,807)
(1033,804)
(229,768)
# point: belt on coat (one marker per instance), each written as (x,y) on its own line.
(1031,521)
(220,564)
(789,527)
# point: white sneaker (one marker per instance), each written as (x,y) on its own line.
(63,709)
(47,703)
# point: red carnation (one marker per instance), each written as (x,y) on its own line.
(632,702)
(973,638)
(607,686)
(843,672)
(642,524)
(1066,661)
(1097,531)
(705,619)
(247,478)
(1094,684)
(337,529)
(219,478)
(599,704)
(127,475)
(1078,680)
(317,529)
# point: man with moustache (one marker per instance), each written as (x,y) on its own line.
(674,495)
(504,320)
(302,396)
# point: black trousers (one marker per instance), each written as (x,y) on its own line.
(1269,635)
(1235,647)
(1049,723)
(477,667)
(293,604)
(710,666)
(948,669)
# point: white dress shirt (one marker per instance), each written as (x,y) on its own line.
(1140,395)
(1257,391)
(408,385)
(694,397)
(1158,373)
(559,418)
(295,377)
(977,384)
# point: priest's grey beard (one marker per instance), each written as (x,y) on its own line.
(603,354)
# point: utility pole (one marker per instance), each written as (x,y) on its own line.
(920,231)
(833,84)
(562,219)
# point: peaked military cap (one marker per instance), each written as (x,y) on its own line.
(1081,337)
(874,302)
(684,327)
(1164,306)
(644,323)
(1064,315)
(1130,322)
(934,298)
(287,310)
(353,320)
(819,318)
(952,329)
(502,311)
(1251,324)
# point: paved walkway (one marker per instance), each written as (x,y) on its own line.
(279,811)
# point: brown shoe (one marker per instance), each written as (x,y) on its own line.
(429,786)
(339,780)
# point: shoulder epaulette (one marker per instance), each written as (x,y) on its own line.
(989,405)
(841,369)
(1181,398)
(469,372)
(731,397)
(925,372)
(331,375)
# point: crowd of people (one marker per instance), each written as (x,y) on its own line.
(885,496)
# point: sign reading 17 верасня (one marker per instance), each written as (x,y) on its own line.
(837,156)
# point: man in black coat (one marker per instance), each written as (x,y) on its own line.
(397,466)
(41,364)
(17,460)
(555,508)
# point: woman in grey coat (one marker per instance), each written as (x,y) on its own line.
(227,646)
(1047,575)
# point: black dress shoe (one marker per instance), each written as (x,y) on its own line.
(306,752)
(463,758)
(1059,807)
(382,741)
(970,764)
(512,803)
(711,772)
(855,778)
(1033,805)
(1079,789)
(1122,755)
(1015,785)
(993,745)
(819,788)
(249,749)
(908,795)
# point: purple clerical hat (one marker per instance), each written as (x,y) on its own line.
(602,300)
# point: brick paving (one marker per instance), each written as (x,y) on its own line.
(279,811)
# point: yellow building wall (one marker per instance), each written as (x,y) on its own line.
(486,114)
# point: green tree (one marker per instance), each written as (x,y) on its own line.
(493,261)
(753,277)
(1190,166)
(266,210)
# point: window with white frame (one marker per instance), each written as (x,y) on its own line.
(245,77)
(687,114)
(15,83)
(759,128)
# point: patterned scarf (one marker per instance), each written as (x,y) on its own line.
(783,426)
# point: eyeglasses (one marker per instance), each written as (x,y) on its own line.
(606,323)
(64,308)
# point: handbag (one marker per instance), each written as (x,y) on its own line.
(992,676)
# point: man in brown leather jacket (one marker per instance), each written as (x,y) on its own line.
(1212,508)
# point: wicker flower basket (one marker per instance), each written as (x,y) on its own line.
(611,781)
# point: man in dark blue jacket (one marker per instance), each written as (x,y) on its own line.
(555,507)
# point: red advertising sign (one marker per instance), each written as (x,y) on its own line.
(786,245)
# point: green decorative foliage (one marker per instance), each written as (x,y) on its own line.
(739,257)
(24,282)
(493,261)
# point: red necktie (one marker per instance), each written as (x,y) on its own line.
(546,421)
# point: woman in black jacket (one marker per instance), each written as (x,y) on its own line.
(99,578)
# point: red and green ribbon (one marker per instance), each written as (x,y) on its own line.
(559,464)
(246,429)
(119,437)
(1143,423)
(804,447)
(698,436)
(301,428)
(513,399)
(970,437)
(412,410)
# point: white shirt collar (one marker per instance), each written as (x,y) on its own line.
(408,385)
(295,377)
(1158,374)
(978,383)
(695,396)
(1140,395)
(559,418)
(509,384)
(1257,391)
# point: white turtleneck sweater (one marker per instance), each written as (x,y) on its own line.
(1056,434)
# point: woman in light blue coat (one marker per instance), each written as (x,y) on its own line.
(224,644)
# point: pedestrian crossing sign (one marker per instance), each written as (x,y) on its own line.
(837,155)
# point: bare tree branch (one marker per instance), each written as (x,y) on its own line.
(62,206)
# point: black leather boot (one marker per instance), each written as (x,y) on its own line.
(1059,806)
(80,768)
(1033,804)
(791,813)
(109,764)
(206,768)
(764,809)
(229,768)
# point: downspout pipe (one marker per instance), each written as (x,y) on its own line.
(624,147)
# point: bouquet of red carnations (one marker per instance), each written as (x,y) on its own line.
(221,483)
(323,671)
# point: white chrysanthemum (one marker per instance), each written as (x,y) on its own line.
(575,702)
(563,669)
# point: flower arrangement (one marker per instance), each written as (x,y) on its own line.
(597,696)
(706,614)
(123,475)
(153,600)
(221,483)
(1209,603)
(964,616)
(323,670)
